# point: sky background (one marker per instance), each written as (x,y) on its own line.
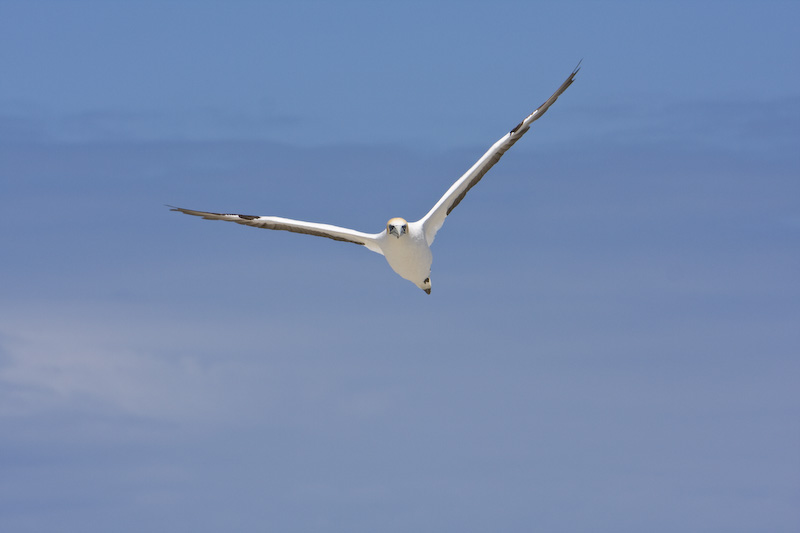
(612,341)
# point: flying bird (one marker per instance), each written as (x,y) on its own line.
(405,245)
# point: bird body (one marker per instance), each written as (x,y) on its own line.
(409,254)
(405,245)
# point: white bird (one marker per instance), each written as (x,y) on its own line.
(406,245)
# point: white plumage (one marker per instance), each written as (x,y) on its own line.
(406,245)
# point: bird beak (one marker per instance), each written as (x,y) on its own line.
(393,231)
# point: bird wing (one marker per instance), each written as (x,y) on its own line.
(297,226)
(432,221)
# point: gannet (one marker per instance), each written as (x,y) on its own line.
(405,245)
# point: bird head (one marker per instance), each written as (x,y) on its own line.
(397,227)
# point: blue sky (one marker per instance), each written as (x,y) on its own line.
(611,343)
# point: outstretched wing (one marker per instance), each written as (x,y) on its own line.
(297,226)
(435,217)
